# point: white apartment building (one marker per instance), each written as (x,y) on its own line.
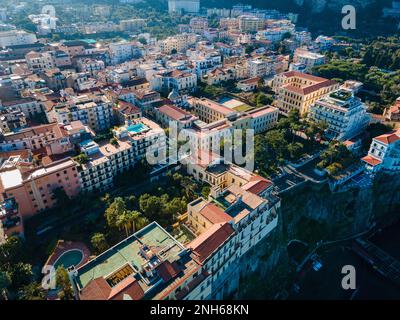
(122,51)
(249,23)
(108,160)
(259,68)
(39,62)
(28,106)
(308,59)
(187,6)
(174,80)
(16,37)
(90,66)
(177,43)
(345,114)
(204,63)
(95,111)
(263,118)
(384,153)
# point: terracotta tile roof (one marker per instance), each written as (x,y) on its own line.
(175,113)
(168,270)
(130,287)
(389,138)
(371,160)
(309,89)
(191,285)
(206,244)
(127,108)
(250,80)
(99,289)
(214,214)
(290,74)
(177,74)
(24,153)
(257,185)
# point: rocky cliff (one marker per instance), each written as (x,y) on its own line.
(311,214)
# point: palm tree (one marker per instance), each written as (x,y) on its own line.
(131,220)
(99,242)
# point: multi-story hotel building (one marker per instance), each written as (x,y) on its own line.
(179,6)
(175,79)
(29,106)
(51,137)
(344,113)
(154,265)
(94,110)
(296,90)
(249,23)
(210,111)
(16,37)
(33,187)
(178,42)
(38,62)
(384,153)
(107,160)
(308,58)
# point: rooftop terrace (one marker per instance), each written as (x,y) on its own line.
(131,256)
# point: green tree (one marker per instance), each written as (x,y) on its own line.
(106,199)
(99,242)
(5,282)
(21,274)
(295,150)
(174,207)
(64,284)
(127,220)
(116,208)
(205,191)
(151,206)
(32,291)
(81,158)
(11,252)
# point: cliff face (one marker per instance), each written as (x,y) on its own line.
(311,214)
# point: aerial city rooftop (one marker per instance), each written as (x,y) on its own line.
(80,113)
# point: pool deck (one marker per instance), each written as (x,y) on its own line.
(64,246)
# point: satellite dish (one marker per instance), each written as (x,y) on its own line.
(50,10)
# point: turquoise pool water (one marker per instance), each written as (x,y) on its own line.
(224,99)
(70,258)
(137,128)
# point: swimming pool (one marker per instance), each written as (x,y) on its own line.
(137,128)
(69,258)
